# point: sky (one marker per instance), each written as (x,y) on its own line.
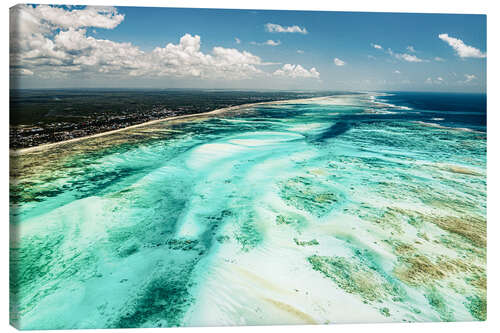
(140,47)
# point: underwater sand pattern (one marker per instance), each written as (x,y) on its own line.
(333,210)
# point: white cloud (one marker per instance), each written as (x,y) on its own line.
(400,56)
(438,59)
(87,53)
(271,27)
(470,77)
(296,71)
(338,62)
(21,71)
(463,50)
(438,80)
(50,17)
(272,42)
(51,42)
(269,42)
(397,72)
(407,57)
(186,60)
(32,31)
(300,51)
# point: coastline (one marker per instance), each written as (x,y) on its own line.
(17,152)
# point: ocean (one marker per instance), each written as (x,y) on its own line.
(354,208)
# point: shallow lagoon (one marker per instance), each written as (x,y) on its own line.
(332,210)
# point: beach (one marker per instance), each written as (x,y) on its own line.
(151,122)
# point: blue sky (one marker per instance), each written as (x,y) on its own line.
(127,47)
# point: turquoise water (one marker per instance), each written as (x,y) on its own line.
(331,210)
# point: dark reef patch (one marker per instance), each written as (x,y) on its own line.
(162,302)
(307,195)
(477,307)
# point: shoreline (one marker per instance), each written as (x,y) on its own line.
(17,152)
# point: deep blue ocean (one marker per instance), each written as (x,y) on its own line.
(462,110)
